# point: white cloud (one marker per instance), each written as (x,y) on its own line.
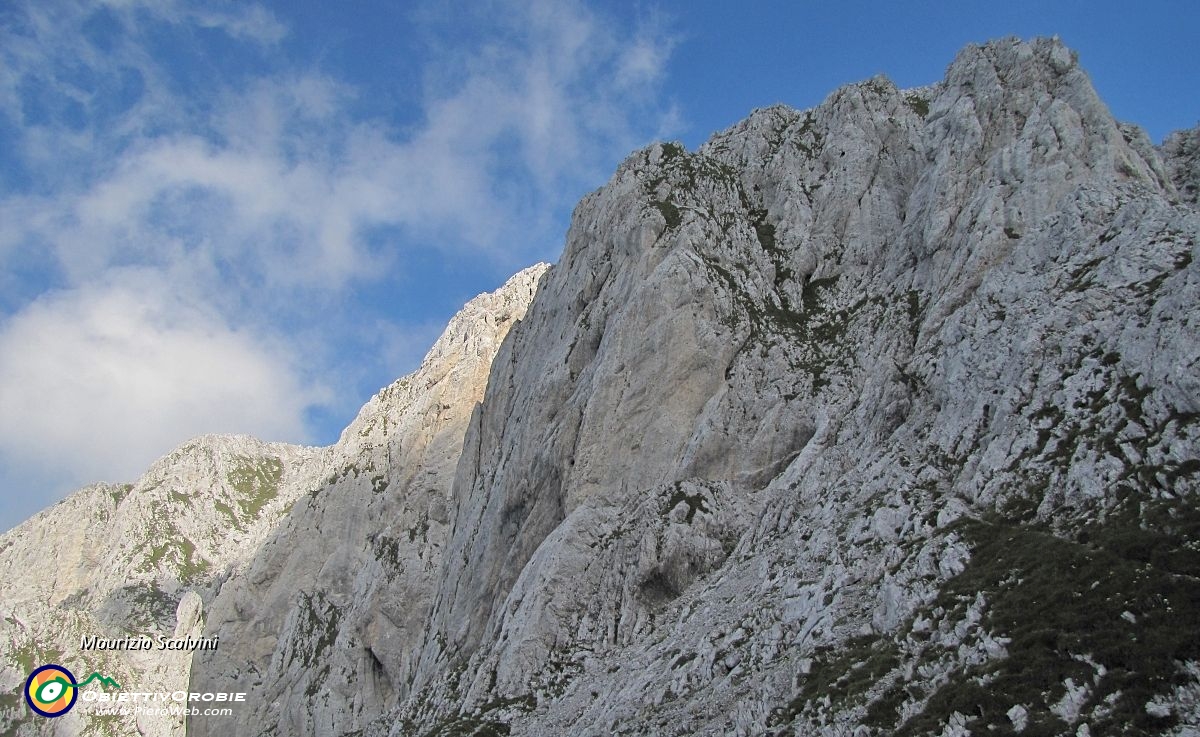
(248,22)
(554,82)
(241,20)
(284,182)
(641,65)
(101,379)
(280,169)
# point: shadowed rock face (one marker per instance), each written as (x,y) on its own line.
(875,418)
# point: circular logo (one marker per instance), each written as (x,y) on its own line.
(50,690)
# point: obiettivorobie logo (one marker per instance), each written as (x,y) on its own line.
(52,690)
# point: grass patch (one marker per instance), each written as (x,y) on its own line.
(14,714)
(695,503)
(810,293)
(256,483)
(181,556)
(672,150)
(913,298)
(1125,594)
(669,212)
(28,656)
(524,702)
(464,726)
(319,620)
(387,552)
(919,104)
(152,606)
(227,512)
(843,674)
(118,493)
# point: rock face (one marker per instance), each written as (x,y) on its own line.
(321,630)
(876,418)
(1181,154)
(264,546)
(879,416)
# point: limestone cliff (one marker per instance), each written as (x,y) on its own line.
(322,627)
(262,546)
(879,416)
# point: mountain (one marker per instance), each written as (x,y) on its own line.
(137,560)
(147,559)
(874,418)
(319,624)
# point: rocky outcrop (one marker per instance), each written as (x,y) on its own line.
(284,554)
(790,436)
(1181,155)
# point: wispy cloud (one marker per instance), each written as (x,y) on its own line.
(167,226)
(250,23)
(243,21)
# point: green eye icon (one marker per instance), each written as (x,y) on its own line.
(51,690)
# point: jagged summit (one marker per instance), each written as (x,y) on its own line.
(875,418)
(470,333)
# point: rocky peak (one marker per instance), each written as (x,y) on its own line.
(776,371)
(324,625)
(207,523)
(137,560)
(473,333)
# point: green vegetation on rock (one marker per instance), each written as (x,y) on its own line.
(1124,595)
(256,483)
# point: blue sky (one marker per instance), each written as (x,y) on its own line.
(249,217)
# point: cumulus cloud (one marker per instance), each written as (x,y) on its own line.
(103,377)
